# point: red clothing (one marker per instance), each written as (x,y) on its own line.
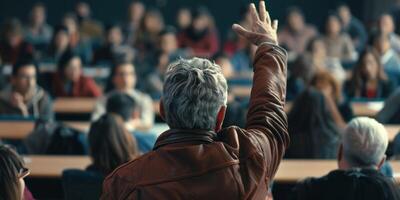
(10,55)
(28,195)
(85,87)
(206,47)
(235,163)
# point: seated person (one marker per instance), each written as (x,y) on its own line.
(123,79)
(387,26)
(369,79)
(361,154)
(390,60)
(125,106)
(23,97)
(317,135)
(110,144)
(339,45)
(12,174)
(69,81)
(59,44)
(296,34)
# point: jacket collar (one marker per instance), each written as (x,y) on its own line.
(174,136)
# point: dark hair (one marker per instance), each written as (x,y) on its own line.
(357,79)
(57,29)
(201,11)
(12,26)
(21,63)
(294,9)
(168,30)
(121,104)
(377,35)
(10,165)
(110,144)
(64,60)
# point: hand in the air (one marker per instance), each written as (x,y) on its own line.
(262,30)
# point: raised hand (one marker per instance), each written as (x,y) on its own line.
(262,30)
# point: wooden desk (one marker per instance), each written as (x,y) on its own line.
(21,129)
(369,109)
(74,105)
(290,171)
(53,166)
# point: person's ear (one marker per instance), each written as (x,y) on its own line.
(162,112)
(381,162)
(220,118)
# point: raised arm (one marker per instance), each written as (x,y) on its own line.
(266,118)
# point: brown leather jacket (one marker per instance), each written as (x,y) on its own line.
(234,163)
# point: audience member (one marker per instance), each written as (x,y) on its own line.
(58,46)
(390,60)
(201,37)
(353,27)
(386,26)
(136,11)
(123,79)
(110,144)
(338,44)
(317,135)
(123,105)
(12,44)
(194,104)
(12,174)
(69,81)
(38,32)
(361,155)
(183,19)
(369,79)
(23,97)
(296,34)
(89,28)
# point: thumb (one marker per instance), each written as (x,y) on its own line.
(240,30)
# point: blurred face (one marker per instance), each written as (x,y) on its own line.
(62,40)
(83,10)
(25,81)
(370,67)
(153,23)
(71,24)
(344,14)
(115,36)
(226,67)
(169,43)
(14,38)
(295,21)
(73,70)
(386,24)
(125,77)
(382,44)
(184,18)
(201,23)
(333,26)
(136,11)
(38,15)
(319,48)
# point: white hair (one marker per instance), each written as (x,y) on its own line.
(194,91)
(364,142)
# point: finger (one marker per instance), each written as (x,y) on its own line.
(262,11)
(267,17)
(240,30)
(253,13)
(275,24)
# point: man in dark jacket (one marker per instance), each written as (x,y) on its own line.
(23,97)
(361,155)
(196,159)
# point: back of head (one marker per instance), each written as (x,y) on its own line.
(10,165)
(364,142)
(110,143)
(121,104)
(194,91)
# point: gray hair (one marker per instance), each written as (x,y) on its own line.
(364,142)
(194,91)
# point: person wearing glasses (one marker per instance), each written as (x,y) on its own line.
(12,174)
(23,97)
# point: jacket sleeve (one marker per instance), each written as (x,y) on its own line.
(266,119)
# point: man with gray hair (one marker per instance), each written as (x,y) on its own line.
(196,158)
(360,157)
